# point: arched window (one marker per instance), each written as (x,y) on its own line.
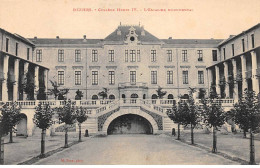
(134,96)
(111,97)
(154,96)
(144,96)
(123,96)
(170,96)
(94,97)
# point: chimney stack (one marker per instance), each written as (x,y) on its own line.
(170,38)
(84,36)
(57,37)
(35,37)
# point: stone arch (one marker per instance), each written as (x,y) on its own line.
(136,112)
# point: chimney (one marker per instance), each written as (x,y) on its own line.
(84,38)
(170,38)
(230,36)
(35,37)
(57,37)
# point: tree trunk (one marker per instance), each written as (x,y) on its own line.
(252,149)
(43,143)
(192,138)
(214,149)
(11,137)
(178,137)
(66,137)
(1,150)
(244,131)
(80,132)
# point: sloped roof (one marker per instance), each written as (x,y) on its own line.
(64,41)
(147,37)
(192,41)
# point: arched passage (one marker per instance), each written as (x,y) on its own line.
(122,112)
(22,126)
(130,124)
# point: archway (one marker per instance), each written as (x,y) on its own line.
(122,112)
(22,126)
(130,124)
(111,97)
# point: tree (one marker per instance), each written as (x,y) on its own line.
(79,95)
(12,116)
(213,116)
(160,93)
(67,114)
(248,107)
(56,92)
(43,120)
(176,115)
(191,113)
(81,117)
(103,93)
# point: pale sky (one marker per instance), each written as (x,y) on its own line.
(51,18)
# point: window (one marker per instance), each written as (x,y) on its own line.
(16,48)
(60,77)
(169,55)
(185,77)
(153,55)
(132,77)
(7,45)
(94,55)
(61,55)
(111,55)
(169,77)
(153,77)
(243,45)
(77,77)
(200,77)
(253,40)
(214,55)
(111,75)
(132,56)
(77,56)
(39,55)
(224,53)
(28,53)
(94,77)
(200,55)
(233,50)
(184,56)
(126,55)
(138,56)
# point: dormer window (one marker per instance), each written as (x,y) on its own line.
(132,32)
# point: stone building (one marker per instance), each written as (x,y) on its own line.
(130,62)
(239,65)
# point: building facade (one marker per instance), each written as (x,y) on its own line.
(129,63)
(239,65)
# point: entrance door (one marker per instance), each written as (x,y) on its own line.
(134,96)
(22,126)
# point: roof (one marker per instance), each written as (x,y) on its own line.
(192,43)
(18,37)
(240,34)
(147,37)
(64,41)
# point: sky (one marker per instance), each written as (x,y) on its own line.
(203,19)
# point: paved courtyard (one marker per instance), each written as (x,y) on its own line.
(134,149)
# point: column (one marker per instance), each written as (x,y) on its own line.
(210,79)
(255,80)
(36,79)
(243,69)
(235,92)
(16,77)
(217,80)
(226,78)
(46,80)
(26,68)
(4,84)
